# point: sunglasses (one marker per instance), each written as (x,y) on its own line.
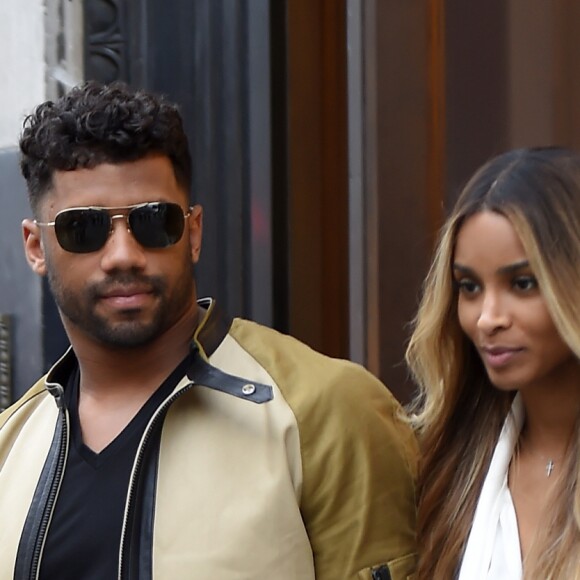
(86,229)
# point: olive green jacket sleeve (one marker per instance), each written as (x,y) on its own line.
(358,463)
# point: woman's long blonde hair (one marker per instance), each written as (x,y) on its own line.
(458,413)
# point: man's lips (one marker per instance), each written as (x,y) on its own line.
(125,291)
(127,297)
(499,356)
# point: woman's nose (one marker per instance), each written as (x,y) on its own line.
(494,313)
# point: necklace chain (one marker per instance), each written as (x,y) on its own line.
(550,462)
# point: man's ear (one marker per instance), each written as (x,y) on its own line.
(195,222)
(33,247)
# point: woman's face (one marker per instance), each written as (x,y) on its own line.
(502,310)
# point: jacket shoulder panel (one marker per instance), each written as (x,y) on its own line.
(239,466)
(37,389)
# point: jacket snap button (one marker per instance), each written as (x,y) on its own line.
(248,389)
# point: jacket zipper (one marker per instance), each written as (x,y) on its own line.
(136,468)
(51,499)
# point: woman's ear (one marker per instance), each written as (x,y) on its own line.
(195,222)
(33,247)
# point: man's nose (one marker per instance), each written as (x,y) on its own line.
(122,251)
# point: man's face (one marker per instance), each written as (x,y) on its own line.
(123,294)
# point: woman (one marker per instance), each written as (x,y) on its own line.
(494,352)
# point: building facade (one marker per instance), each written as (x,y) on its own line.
(329,138)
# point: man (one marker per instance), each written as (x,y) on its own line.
(171,442)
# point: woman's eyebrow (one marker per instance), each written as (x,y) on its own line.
(508,269)
(462,269)
(511,268)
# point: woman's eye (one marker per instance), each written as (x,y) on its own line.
(525,283)
(467,286)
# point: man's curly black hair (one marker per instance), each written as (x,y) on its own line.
(96,123)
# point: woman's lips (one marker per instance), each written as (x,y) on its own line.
(497,357)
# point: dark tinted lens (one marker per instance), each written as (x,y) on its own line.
(82,230)
(157,225)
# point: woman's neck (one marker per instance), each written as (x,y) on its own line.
(552,416)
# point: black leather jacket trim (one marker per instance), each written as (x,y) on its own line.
(36,524)
(202,373)
(213,328)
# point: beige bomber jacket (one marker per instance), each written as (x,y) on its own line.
(274,461)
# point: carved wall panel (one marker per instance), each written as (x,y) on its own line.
(106,40)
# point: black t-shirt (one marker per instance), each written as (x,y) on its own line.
(85,532)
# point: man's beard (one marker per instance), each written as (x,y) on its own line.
(80,307)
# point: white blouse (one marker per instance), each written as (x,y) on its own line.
(493,547)
(506,560)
